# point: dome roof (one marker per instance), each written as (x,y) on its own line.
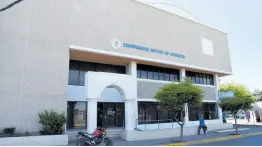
(174,10)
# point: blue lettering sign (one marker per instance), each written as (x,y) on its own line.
(152,50)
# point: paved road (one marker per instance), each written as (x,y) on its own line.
(247,141)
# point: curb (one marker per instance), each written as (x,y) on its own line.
(212,140)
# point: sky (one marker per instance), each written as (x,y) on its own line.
(242,21)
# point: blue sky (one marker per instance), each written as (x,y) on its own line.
(242,21)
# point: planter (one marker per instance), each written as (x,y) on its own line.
(44,140)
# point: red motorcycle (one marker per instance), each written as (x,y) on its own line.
(96,138)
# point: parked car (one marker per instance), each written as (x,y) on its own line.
(229,115)
(241,115)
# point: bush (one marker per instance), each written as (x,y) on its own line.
(10,131)
(52,122)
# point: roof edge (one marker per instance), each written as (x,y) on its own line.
(147,4)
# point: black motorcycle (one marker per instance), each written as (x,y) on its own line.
(85,139)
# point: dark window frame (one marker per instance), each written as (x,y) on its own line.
(93,67)
(200,78)
(158,73)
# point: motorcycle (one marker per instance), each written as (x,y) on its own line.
(96,138)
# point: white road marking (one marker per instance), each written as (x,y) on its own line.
(240,129)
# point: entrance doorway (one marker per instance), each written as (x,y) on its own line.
(110,115)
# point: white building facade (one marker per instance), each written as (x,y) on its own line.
(106,59)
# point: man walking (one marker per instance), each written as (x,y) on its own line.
(201,125)
(224,118)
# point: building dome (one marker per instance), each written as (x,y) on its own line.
(174,10)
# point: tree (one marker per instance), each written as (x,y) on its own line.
(175,97)
(242,100)
(235,104)
(239,90)
(257,93)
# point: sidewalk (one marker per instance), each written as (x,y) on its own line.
(157,142)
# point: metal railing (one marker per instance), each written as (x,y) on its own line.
(150,122)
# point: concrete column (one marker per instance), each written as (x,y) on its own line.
(91,115)
(131,69)
(129,114)
(217,87)
(182,74)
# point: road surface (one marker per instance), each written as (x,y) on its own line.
(246,141)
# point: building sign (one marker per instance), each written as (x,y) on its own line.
(116,44)
(153,50)
(226,94)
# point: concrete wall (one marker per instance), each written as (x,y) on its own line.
(147,88)
(132,22)
(96,82)
(79,93)
(34,61)
(47,140)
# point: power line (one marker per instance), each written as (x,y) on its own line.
(10,5)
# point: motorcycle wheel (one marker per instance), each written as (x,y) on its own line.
(83,142)
(108,142)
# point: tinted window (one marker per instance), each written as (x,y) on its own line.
(150,73)
(73,73)
(77,70)
(207,110)
(200,78)
(144,72)
(157,73)
(161,74)
(149,114)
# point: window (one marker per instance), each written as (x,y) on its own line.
(73,73)
(149,114)
(208,79)
(207,110)
(150,72)
(78,69)
(197,78)
(84,67)
(204,79)
(200,78)
(143,72)
(201,81)
(157,73)
(161,74)
(167,75)
(76,115)
(138,72)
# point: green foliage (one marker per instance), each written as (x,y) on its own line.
(10,130)
(235,104)
(239,90)
(172,97)
(52,122)
(242,100)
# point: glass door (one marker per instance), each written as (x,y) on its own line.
(110,114)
